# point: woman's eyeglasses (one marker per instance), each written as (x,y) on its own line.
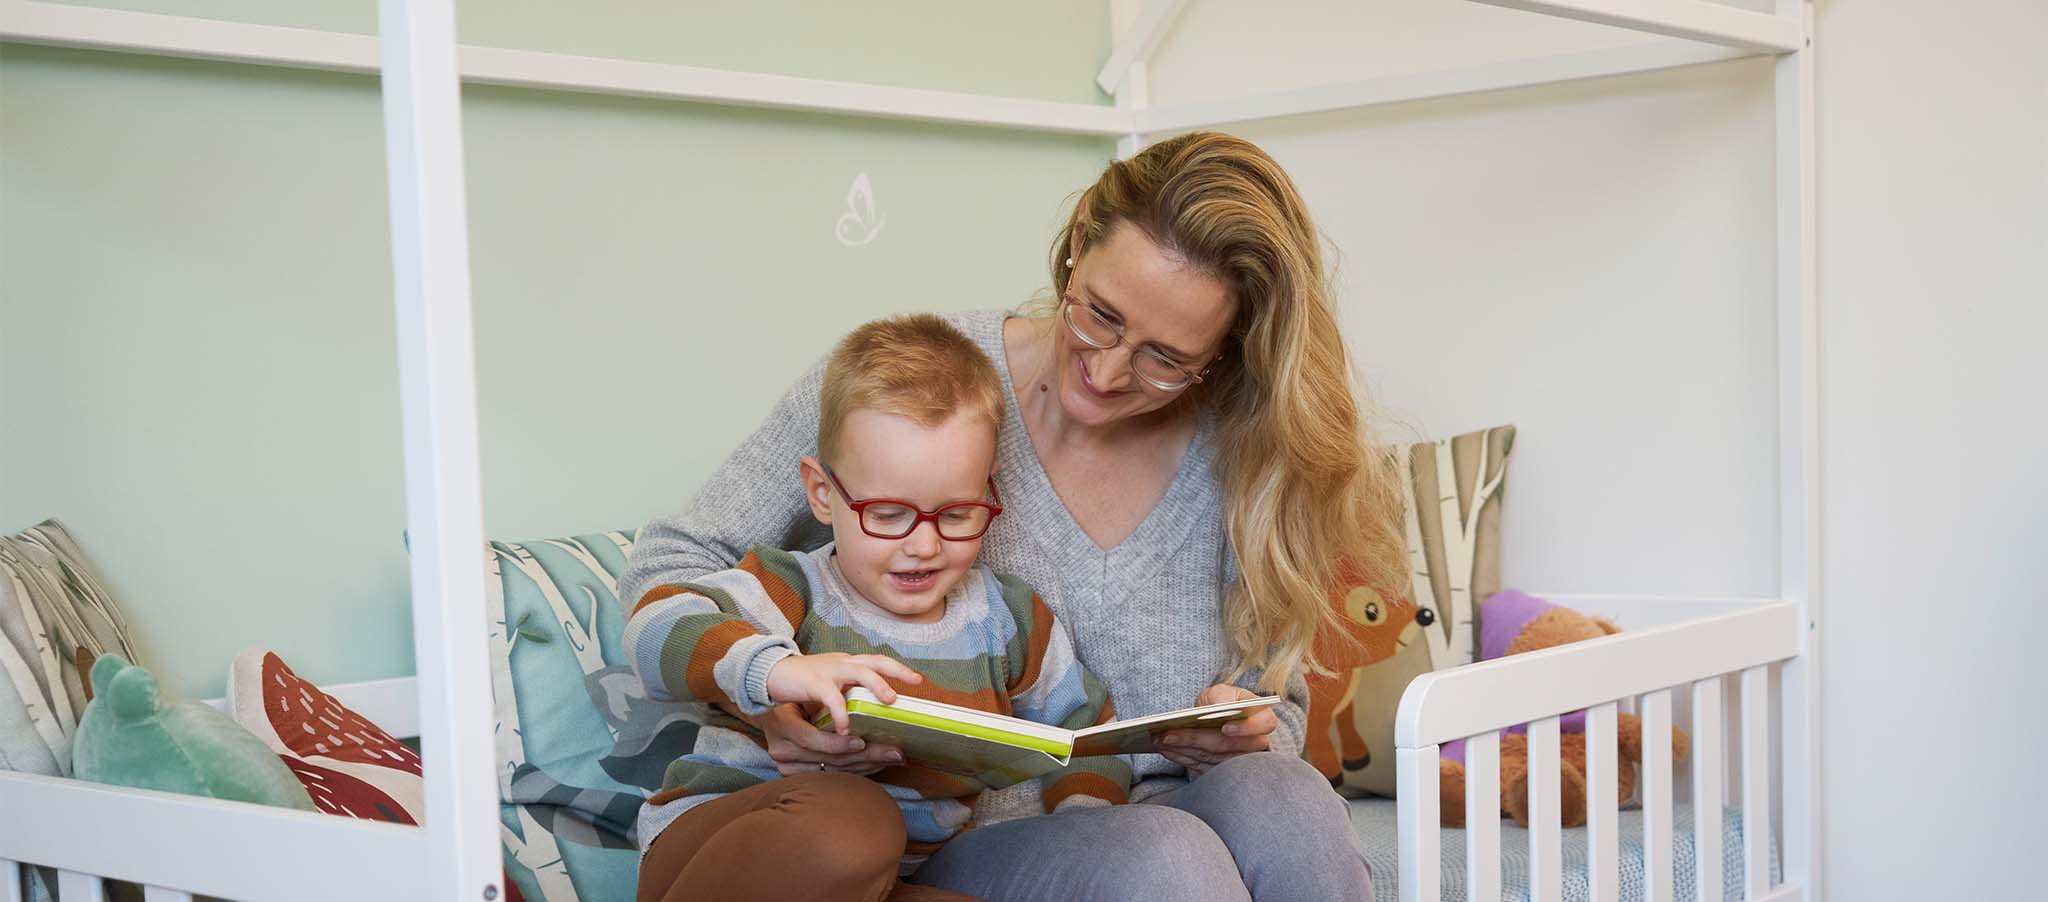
(892,518)
(1151,364)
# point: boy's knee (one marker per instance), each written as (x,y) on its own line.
(852,827)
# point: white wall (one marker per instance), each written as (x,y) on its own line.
(1934,301)
(1591,262)
(1594,262)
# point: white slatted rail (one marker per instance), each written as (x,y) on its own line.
(230,850)
(1656,790)
(73,886)
(1473,701)
(1707,750)
(1465,701)
(1421,866)
(1482,826)
(1603,802)
(1756,782)
(1546,844)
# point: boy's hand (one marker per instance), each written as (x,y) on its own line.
(821,678)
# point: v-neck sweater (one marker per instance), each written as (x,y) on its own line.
(1145,615)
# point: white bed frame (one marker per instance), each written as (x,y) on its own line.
(177,846)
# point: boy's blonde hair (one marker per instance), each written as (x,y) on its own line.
(916,366)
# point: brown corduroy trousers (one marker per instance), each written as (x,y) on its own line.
(827,836)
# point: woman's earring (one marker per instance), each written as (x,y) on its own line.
(1070,263)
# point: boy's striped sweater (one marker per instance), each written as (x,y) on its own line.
(997,648)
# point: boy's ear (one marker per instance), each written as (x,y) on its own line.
(817,490)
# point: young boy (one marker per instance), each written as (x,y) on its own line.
(909,411)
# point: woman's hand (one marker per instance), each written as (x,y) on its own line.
(1199,750)
(800,748)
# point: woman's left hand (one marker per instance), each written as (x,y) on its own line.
(1199,750)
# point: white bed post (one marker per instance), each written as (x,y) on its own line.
(1799,449)
(1132,97)
(1417,812)
(1136,32)
(437,384)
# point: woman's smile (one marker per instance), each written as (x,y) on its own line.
(1081,363)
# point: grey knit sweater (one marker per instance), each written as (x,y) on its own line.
(1145,615)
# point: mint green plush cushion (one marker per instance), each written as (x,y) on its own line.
(130,736)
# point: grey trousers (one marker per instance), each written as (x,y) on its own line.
(1262,826)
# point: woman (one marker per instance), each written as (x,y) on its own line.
(1182,462)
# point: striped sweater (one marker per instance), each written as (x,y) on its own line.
(997,648)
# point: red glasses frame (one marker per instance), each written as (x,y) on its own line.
(860,506)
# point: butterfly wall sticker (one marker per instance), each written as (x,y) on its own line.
(860,223)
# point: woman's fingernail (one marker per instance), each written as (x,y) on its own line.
(858,745)
(896,757)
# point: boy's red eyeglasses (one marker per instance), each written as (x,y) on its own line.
(894,518)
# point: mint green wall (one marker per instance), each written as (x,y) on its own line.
(197,369)
(1048,49)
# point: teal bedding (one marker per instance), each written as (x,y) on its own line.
(1377,826)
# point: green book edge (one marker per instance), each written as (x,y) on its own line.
(1060,750)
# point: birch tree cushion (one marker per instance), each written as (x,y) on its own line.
(580,746)
(56,619)
(1454,490)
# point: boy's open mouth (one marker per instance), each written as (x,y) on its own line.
(913,580)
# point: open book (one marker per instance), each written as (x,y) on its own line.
(999,750)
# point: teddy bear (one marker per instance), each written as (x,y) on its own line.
(1512,622)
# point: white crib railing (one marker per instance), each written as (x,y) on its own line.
(89,832)
(232,850)
(1475,701)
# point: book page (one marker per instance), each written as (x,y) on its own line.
(1134,736)
(994,764)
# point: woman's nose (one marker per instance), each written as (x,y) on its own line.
(1115,367)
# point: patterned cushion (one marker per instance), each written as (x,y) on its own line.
(580,746)
(1454,490)
(350,766)
(56,618)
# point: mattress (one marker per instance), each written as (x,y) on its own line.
(1378,830)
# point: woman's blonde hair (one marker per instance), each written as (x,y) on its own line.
(1302,485)
(916,366)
